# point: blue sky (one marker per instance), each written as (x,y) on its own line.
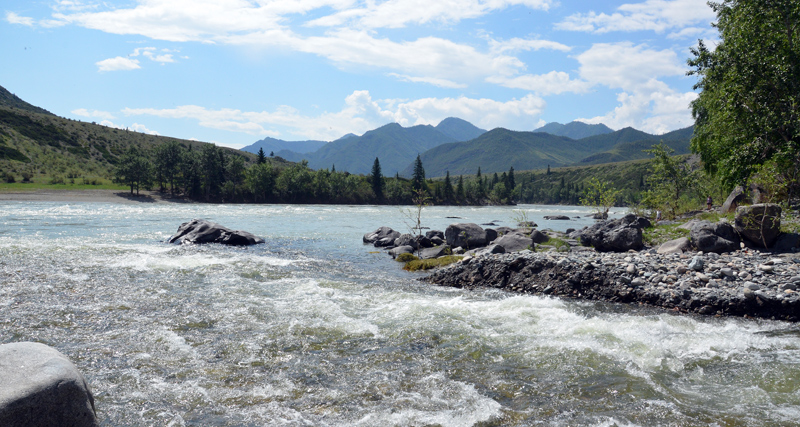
(236,71)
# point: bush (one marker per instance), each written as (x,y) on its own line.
(10,178)
(427,264)
(26,176)
(406,258)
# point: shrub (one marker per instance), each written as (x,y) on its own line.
(427,264)
(10,178)
(26,176)
(406,258)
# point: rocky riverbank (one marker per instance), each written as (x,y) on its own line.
(745,283)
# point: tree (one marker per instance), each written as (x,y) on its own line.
(748,112)
(133,169)
(167,162)
(448,189)
(668,180)
(418,178)
(377,180)
(262,158)
(600,196)
(460,189)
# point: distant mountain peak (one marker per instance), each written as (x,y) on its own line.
(459,129)
(575,129)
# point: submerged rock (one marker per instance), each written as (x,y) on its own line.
(39,386)
(202,231)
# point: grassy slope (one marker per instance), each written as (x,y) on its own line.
(48,146)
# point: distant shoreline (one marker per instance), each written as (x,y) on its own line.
(98,196)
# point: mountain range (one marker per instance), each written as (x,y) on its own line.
(459,147)
(395,146)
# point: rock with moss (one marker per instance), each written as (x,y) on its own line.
(759,224)
(466,235)
(383,236)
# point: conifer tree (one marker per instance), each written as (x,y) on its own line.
(261,157)
(377,180)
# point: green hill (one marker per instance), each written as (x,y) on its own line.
(8,99)
(46,147)
(500,149)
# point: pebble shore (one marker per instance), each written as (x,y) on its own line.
(745,283)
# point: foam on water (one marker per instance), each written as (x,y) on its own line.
(311,329)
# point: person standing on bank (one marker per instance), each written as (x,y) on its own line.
(708,202)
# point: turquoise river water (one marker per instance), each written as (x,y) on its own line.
(314,328)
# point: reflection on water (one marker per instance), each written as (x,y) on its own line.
(314,329)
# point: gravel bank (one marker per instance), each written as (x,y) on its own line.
(743,283)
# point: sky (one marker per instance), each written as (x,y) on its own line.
(236,71)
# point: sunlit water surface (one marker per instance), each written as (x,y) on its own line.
(314,328)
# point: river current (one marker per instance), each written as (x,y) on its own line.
(314,328)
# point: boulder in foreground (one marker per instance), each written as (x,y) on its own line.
(39,386)
(760,224)
(617,235)
(202,231)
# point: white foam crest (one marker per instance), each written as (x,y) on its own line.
(436,401)
(173,342)
(324,307)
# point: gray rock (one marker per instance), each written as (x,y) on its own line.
(383,236)
(514,242)
(677,246)
(736,197)
(527,224)
(437,241)
(491,235)
(503,230)
(696,263)
(759,224)
(617,235)
(714,237)
(631,269)
(434,252)
(466,235)
(491,249)
(556,217)
(539,237)
(434,233)
(39,386)
(394,252)
(407,240)
(202,231)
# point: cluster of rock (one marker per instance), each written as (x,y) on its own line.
(727,274)
(39,386)
(199,231)
(739,283)
(462,238)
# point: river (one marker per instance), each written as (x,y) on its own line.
(314,328)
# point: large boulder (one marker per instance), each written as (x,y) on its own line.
(759,224)
(407,240)
(397,251)
(717,237)
(434,252)
(466,235)
(39,386)
(202,231)
(616,235)
(677,246)
(557,217)
(514,242)
(734,199)
(383,236)
(539,237)
(434,233)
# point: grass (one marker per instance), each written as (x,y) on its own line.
(427,264)
(44,185)
(659,234)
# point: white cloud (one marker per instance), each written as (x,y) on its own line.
(400,13)
(136,127)
(359,114)
(552,83)
(517,44)
(93,114)
(622,65)
(430,80)
(117,63)
(237,22)
(654,108)
(645,102)
(13,18)
(651,15)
